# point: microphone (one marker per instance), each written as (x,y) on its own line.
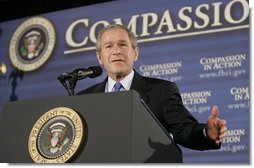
(91,72)
(81,73)
(78,74)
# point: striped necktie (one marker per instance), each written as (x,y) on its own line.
(118,87)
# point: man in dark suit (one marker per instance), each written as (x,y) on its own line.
(117,51)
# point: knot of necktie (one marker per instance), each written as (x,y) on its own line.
(117,87)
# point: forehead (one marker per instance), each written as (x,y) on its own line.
(115,34)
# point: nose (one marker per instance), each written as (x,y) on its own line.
(116,50)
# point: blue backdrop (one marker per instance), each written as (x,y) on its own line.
(201,45)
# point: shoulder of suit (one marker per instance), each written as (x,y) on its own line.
(156,80)
(91,89)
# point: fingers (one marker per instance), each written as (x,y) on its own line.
(221,123)
(222,132)
(220,138)
(218,141)
(215,111)
(217,127)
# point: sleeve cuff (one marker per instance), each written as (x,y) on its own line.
(204,132)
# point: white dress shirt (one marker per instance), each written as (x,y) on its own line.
(126,82)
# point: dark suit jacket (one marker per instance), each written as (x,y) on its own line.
(164,100)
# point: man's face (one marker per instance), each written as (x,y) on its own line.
(117,54)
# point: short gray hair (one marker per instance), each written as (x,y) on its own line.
(131,35)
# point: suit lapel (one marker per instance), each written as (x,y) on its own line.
(100,88)
(141,87)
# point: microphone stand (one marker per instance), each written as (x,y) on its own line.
(63,82)
(72,85)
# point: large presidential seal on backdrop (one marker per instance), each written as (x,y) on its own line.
(32,44)
(56,137)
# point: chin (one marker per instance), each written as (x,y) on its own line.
(119,70)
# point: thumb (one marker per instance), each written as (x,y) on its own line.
(215,111)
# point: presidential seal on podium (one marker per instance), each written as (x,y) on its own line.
(56,136)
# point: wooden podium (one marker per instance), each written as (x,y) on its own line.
(119,128)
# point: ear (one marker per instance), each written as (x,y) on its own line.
(136,54)
(98,55)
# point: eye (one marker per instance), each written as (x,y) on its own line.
(108,46)
(123,44)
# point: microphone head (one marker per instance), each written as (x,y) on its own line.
(78,73)
(97,71)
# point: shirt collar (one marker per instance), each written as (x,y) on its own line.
(126,82)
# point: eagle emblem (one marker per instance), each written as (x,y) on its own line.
(57,137)
(32,45)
